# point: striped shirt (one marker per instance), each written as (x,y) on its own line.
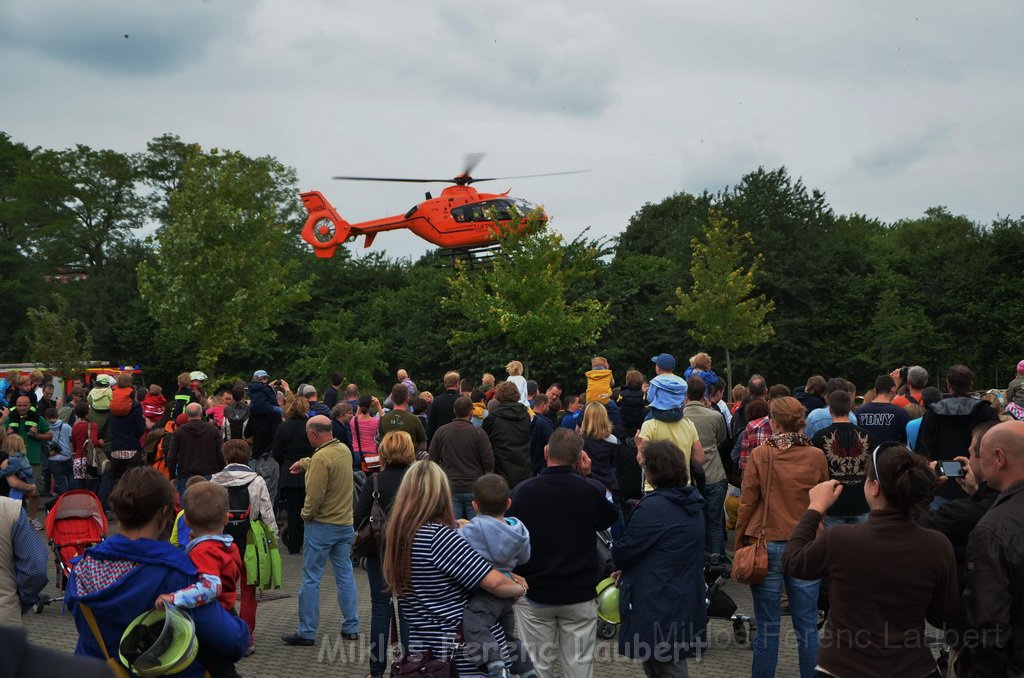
(445,570)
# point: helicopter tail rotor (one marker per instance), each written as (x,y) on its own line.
(324,228)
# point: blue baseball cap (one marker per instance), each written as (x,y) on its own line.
(260,374)
(665,361)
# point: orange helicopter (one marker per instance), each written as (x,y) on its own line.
(460,219)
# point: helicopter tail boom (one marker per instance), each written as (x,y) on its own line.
(324,228)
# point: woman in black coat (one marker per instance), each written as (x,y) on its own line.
(508,428)
(396,455)
(290,445)
(661,561)
(603,449)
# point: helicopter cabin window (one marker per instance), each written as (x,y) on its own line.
(484,211)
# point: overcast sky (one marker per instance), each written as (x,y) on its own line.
(889,108)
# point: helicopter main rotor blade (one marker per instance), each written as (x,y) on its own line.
(530,176)
(408,181)
(470,163)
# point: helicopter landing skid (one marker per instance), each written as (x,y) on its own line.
(470,257)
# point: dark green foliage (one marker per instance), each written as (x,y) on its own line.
(852,296)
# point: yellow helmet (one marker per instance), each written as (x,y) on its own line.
(608,601)
(159,643)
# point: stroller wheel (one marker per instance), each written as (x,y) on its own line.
(740,633)
(41,604)
(606,630)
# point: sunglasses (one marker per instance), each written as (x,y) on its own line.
(874,458)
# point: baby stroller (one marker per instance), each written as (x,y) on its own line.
(75,522)
(717,571)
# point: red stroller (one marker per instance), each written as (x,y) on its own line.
(75,522)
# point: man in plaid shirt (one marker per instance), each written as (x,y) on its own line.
(758,431)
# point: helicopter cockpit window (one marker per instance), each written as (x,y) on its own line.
(524,207)
(483,211)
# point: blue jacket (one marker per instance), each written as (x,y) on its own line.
(503,542)
(709,377)
(662,592)
(667,392)
(262,399)
(126,432)
(161,568)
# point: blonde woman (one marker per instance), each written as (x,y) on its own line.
(432,569)
(603,449)
(396,455)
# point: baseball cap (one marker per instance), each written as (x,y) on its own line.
(197,376)
(1020,366)
(260,374)
(665,361)
(305,390)
(105,380)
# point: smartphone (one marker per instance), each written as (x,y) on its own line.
(951,469)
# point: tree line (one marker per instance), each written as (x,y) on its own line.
(179,257)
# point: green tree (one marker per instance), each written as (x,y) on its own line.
(58,341)
(720,304)
(218,279)
(525,304)
(333,347)
(162,167)
(93,205)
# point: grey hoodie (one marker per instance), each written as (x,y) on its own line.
(234,475)
(504,542)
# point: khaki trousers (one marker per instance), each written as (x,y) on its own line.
(570,631)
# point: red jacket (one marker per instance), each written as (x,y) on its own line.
(212,556)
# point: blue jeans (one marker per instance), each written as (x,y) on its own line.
(462,503)
(320,542)
(803,606)
(61,471)
(380,618)
(714,516)
(832,521)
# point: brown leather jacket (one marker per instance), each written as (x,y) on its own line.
(795,471)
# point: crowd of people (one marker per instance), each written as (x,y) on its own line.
(882,511)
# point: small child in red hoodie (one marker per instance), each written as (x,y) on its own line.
(217,560)
(153,404)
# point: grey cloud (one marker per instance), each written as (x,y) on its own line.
(161,36)
(892,157)
(551,59)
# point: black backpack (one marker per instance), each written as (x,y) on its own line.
(239,512)
(238,423)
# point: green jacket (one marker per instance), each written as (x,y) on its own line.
(262,557)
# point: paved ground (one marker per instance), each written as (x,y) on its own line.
(333,657)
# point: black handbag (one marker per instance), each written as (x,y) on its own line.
(425,664)
(369,540)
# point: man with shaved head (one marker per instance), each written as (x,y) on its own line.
(327,513)
(994,596)
(195,449)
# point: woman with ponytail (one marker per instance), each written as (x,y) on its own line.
(888,575)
